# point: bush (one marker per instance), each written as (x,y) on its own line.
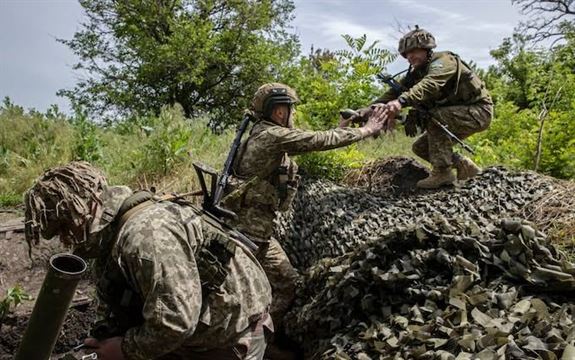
(30,143)
(332,164)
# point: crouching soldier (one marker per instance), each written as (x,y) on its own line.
(443,89)
(172,282)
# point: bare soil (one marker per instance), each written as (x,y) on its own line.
(16,268)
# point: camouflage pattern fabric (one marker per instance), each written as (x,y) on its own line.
(452,94)
(250,346)
(62,192)
(156,253)
(282,276)
(463,120)
(445,81)
(254,192)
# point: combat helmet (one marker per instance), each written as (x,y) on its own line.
(416,39)
(67,192)
(272,94)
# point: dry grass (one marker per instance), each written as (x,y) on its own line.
(554,213)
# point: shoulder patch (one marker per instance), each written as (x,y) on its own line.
(436,64)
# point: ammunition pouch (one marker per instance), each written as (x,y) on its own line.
(282,182)
(290,193)
(213,259)
(287,184)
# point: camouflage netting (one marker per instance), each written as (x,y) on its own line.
(327,220)
(428,274)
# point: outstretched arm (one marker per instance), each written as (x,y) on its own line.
(295,141)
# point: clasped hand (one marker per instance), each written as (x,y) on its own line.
(107,349)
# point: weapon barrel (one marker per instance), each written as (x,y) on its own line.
(51,306)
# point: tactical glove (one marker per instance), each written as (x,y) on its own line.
(410,126)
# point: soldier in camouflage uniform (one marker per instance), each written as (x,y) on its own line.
(265,178)
(174,284)
(441,86)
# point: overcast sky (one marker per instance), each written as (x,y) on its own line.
(33,66)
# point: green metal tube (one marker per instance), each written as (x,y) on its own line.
(51,307)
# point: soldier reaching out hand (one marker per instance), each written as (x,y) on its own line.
(441,86)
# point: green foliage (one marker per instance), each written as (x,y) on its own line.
(332,164)
(533,89)
(88,146)
(14,297)
(10,199)
(208,56)
(528,85)
(329,81)
(168,143)
(30,143)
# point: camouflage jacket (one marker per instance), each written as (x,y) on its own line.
(265,178)
(163,302)
(444,81)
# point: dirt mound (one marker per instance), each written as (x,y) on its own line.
(395,174)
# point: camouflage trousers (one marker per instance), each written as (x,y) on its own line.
(251,345)
(435,146)
(282,276)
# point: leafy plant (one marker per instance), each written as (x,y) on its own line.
(329,81)
(533,127)
(168,142)
(14,296)
(332,164)
(88,146)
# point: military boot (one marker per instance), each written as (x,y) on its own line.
(466,168)
(438,177)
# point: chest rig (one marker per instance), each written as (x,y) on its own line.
(124,303)
(283,176)
(463,88)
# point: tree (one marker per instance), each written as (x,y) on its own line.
(534,92)
(329,81)
(547,19)
(206,55)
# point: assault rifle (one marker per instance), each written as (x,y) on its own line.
(213,195)
(397,87)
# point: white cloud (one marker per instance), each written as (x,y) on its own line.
(427,10)
(334,28)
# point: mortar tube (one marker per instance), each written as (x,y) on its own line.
(51,306)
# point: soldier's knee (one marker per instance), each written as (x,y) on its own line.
(420,148)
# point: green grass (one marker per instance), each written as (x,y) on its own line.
(153,151)
(10,200)
(390,144)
